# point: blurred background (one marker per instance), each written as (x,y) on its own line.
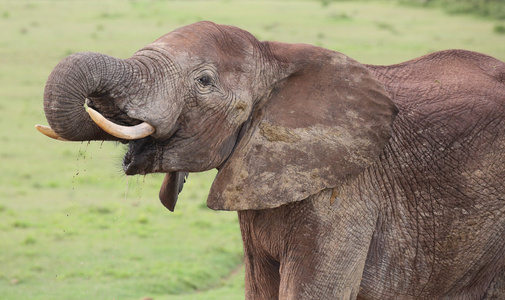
(73,226)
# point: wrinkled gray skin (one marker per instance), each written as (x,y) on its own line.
(341,193)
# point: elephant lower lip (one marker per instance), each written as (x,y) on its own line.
(140,158)
(130,168)
(131,165)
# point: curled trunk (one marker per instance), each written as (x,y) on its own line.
(100,81)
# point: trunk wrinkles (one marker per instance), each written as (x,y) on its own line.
(101,79)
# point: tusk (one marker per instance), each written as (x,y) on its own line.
(47,131)
(123,132)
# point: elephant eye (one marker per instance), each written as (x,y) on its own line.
(204,80)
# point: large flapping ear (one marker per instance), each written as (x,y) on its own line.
(326,119)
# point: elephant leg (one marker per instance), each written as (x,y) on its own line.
(261,278)
(261,269)
(308,249)
(329,264)
(496,289)
(332,270)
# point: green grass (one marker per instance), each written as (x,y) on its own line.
(72,226)
(493,9)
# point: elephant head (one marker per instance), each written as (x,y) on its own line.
(279,121)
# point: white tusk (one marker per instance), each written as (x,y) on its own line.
(47,131)
(123,132)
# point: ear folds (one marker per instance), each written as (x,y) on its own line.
(327,119)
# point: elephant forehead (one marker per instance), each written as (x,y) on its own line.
(208,41)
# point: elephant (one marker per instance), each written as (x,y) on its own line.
(351,181)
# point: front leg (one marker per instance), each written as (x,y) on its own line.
(320,248)
(262,276)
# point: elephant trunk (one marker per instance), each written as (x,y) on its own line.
(89,78)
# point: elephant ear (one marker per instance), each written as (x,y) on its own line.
(326,119)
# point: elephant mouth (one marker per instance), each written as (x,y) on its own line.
(144,156)
(138,156)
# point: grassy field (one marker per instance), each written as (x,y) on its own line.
(72,226)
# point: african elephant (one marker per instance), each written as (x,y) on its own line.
(351,181)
